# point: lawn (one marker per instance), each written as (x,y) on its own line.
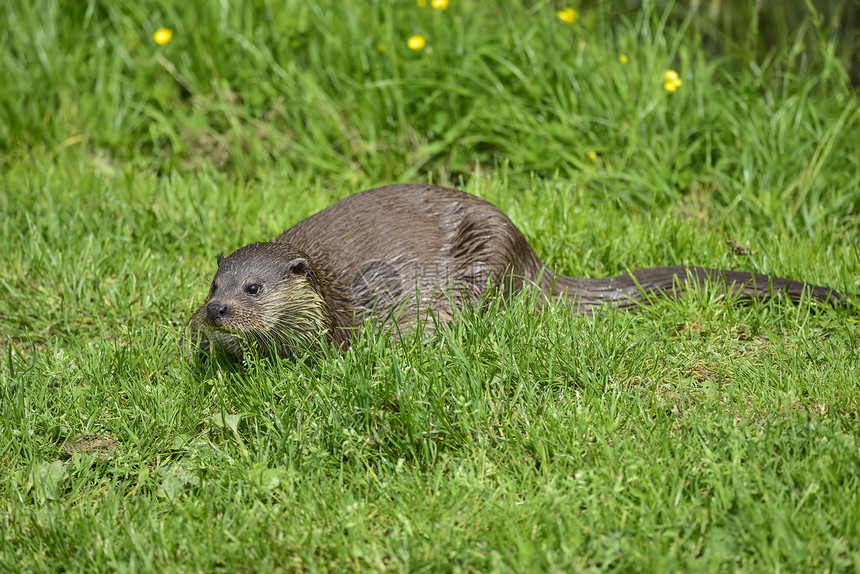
(698,434)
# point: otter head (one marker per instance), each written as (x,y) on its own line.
(266,297)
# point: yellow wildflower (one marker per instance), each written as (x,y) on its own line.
(416,42)
(439,4)
(623,58)
(568,15)
(422,3)
(592,156)
(671,81)
(162,36)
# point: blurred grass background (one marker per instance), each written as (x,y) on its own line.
(332,88)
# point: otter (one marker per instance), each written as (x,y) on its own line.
(407,254)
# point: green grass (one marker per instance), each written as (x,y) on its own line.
(698,434)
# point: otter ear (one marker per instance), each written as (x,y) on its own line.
(298,266)
(220,260)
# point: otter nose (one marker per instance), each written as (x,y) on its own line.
(215,311)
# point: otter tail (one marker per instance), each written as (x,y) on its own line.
(629,290)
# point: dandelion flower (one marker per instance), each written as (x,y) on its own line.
(162,36)
(416,42)
(623,58)
(567,15)
(671,81)
(422,3)
(439,4)
(592,156)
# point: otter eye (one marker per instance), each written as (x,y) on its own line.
(253,289)
(213,287)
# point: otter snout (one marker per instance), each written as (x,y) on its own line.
(216,310)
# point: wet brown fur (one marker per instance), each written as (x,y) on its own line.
(407,253)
